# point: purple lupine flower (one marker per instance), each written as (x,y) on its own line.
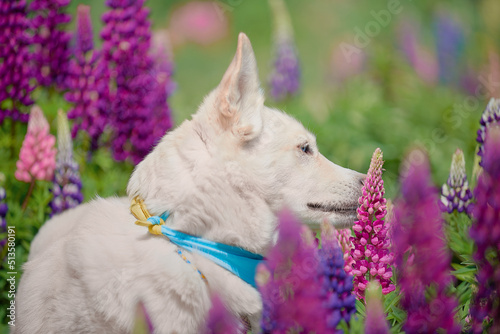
(291,292)
(16,68)
(375,322)
(84,80)
(285,76)
(418,224)
(455,193)
(421,59)
(450,46)
(370,253)
(84,38)
(3,213)
(136,117)
(336,286)
(66,186)
(164,86)
(485,231)
(220,320)
(489,118)
(51,42)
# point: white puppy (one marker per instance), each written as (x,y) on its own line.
(224,175)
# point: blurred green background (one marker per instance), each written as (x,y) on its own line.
(386,104)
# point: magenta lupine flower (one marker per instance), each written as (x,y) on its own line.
(450,46)
(4,208)
(16,68)
(67,185)
(220,320)
(336,286)
(285,76)
(292,295)
(344,239)
(455,193)
(485,231)
(84,78)
(418,224)
(375,322)
(372,259)
(51,42)
(137,117)
(37,156)
(489,118)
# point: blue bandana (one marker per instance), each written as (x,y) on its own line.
(240,262)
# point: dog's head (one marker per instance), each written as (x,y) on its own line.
(241,162)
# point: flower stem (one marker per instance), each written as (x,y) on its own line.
(28,195)
(13,139)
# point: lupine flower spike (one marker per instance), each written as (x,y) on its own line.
(375,322)
(139,110)
(344,239)
(485,231)
(490,118)
(285,77)
(336,285)
(418,224)
(455,193)
(16,68)
(66,186)
(450,46)
(221,320)
(372,258)
(51,42)
(290,288)
(37,156)
(83,81)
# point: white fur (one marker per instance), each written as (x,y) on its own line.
(224,175)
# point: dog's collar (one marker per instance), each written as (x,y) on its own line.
(237,260)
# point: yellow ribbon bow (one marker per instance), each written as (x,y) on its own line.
(140,212)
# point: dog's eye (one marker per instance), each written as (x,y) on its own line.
(305,148)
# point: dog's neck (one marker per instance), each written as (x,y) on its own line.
(216,199)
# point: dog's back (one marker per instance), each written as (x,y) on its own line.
(90,267)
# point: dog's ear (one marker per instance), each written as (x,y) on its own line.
(239,99)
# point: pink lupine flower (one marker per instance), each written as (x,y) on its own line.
(344,238)
(201,22)
(37,159)
(370,253)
